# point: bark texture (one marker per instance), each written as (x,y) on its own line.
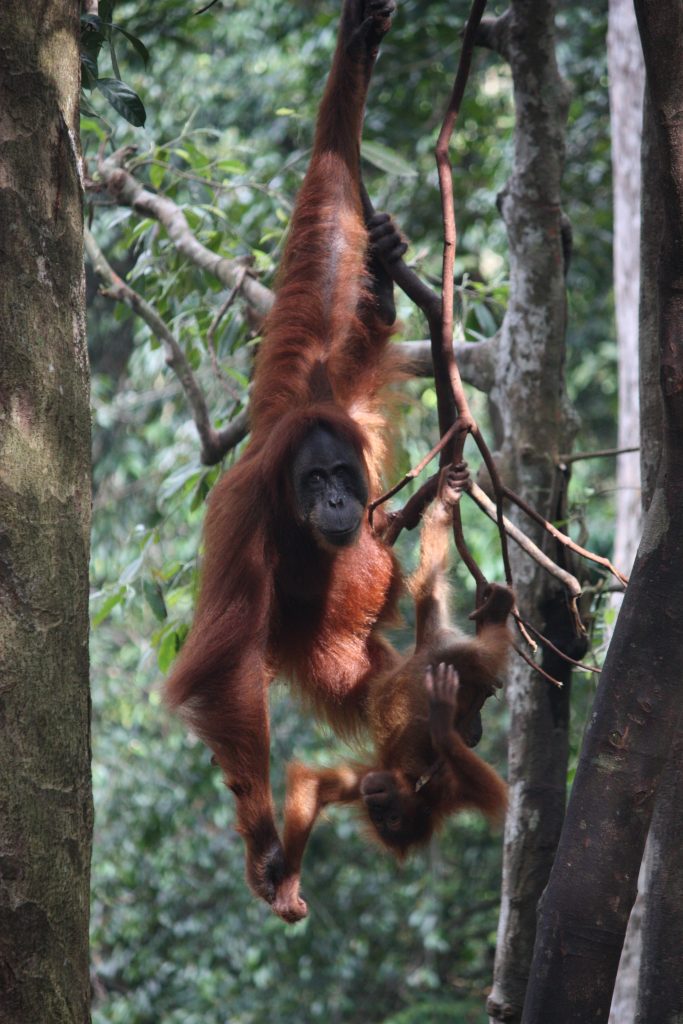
(626,84)
(660,987)
(625,995)
(638,706)
(45,802)
(660,983)
(535,425)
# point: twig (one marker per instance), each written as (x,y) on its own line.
(604,453)
(563,538)
(521,626)
(445,365)
(408,517)
(214,326)
(548,643)
(499,491)
(534,665)
(570,582)
(412,473)
(444,353)
(215,444)
(466,555)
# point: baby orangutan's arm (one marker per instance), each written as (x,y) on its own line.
(478,785)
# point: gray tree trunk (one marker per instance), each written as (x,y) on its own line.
(626,85)
(531,404)
(45,799)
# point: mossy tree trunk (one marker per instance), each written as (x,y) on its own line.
(45,795)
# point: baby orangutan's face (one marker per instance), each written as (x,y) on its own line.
(399,816)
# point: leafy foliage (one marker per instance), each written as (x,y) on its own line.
(97,31)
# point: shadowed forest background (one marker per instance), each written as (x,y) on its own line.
(230,98)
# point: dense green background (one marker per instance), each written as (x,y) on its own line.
(230,97)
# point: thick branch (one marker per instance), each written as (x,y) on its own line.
(127,191)
(215,444)
(477,360)
(494,34)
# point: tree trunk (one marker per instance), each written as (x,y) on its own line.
(530,402)
(626,83)
(638,706)
(660,984)
(660,987)
(45,800)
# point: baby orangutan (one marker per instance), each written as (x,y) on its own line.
(422,717)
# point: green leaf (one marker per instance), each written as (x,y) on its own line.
(91,124)
(114,61)
(169,647)
(131,570)
(123,99)
(387,160)
(178,480)
(89,71)
(155,599)
(139,46)
(107,606)
(106,9)
(208,479)
(485,319)
(156,175)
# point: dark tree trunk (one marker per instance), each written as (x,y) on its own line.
(638,707)
(45,801)
(660,981)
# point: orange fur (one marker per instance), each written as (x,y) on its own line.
(409,745)
(271,600)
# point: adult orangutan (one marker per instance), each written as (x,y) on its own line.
(294,581)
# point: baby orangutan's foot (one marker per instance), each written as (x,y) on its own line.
(288,903)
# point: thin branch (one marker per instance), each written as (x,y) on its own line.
(534,665)
(519,622)
(603,453)
(444,353)
(466,555)
(408,517)
(214,444)
(446,370)
(548,643)
(563,538)
(412,473)
(570,582)
(210,343)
